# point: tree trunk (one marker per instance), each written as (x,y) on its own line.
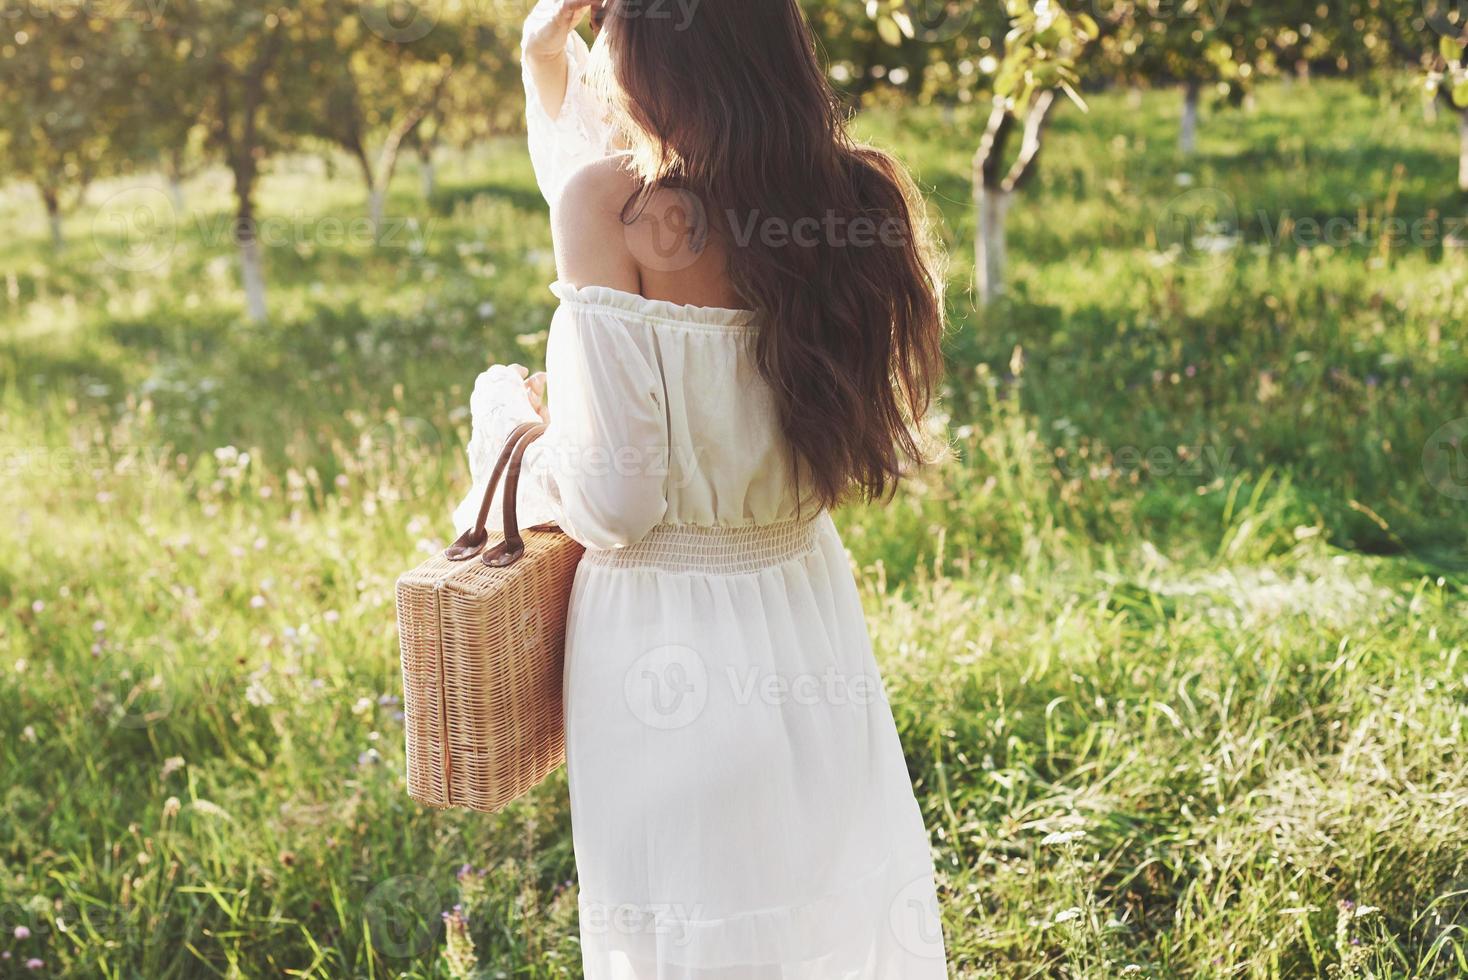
(426,172)
(369,179)
(1463,150)
(994,188)
(173,170)
(1188,136)
(252,275)
(392,148)
(1134,97)
(376,204)
(243,151)
(52,198)
(989,241)
(252,269)
(1429,110)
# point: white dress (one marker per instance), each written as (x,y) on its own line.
(741,809)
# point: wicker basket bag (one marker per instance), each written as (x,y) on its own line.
(482,644)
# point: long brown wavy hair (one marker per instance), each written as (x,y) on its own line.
(726,99)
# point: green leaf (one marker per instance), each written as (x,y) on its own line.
(1460,93)
(904,23)
(1451,48)
(889,31)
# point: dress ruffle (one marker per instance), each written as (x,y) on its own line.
(608,299)
(814,941)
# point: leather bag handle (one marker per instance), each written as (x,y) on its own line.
(508,551)
(472,541)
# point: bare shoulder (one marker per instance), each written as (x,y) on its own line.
(590,237)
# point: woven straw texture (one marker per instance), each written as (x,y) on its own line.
(482,654)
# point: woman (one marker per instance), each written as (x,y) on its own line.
(748,332)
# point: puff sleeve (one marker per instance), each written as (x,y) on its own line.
(600,470)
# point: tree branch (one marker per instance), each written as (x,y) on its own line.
(1029,149)
(989,157)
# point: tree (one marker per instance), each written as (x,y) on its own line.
(400,77)
(1447,76)
(167,110)
(1218,46)
(1391,38)
(62,94)
(371,89)
(482,98)
(1038,61)
(867,43)
(1040,53)
(240,58)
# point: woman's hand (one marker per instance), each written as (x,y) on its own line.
(535,391)
(534,388)
(543,48)
(545,37)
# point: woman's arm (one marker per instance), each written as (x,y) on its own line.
(605,457)
(567,125)
(600,471)
(544,49)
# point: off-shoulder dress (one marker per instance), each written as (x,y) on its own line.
(741,808)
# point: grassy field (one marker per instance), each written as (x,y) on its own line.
(1175,639)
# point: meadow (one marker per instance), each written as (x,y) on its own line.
(1175,636)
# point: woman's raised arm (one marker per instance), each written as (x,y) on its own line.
(566,125)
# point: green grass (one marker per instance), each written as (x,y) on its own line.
(1184,585)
